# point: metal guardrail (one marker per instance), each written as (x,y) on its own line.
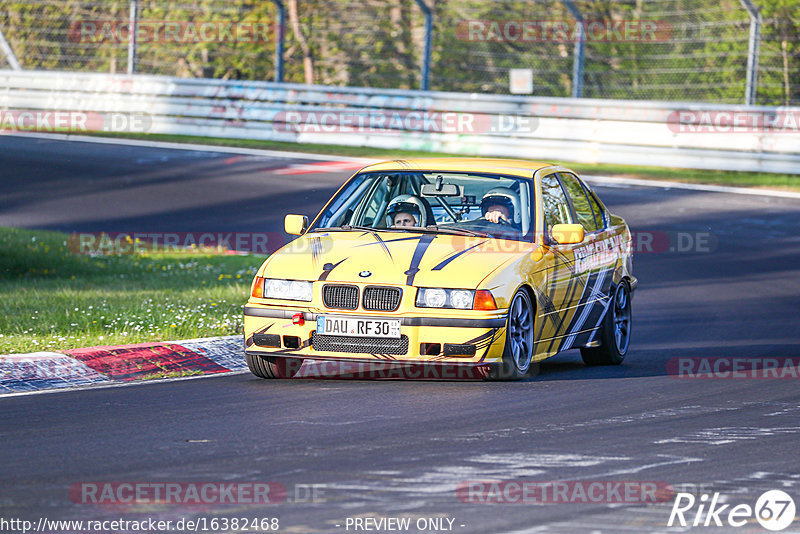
(554,129)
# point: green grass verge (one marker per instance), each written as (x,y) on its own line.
(732,178)
(52,299)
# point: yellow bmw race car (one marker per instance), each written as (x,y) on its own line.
(461,261)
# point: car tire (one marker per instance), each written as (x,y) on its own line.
(615,332)
(273,367)
(518,351)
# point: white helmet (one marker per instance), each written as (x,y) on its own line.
(408,204)
(504,197)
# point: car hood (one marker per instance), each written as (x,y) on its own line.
(397,258)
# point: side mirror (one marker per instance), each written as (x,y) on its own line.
(295,224)
(567,234)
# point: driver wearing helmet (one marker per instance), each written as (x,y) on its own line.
(501,204)
(405,210)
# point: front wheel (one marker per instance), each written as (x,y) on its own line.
(272,366)
(615,332)
(518,351)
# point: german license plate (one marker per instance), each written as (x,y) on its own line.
(357,326)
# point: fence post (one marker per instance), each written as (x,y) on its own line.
(751,84)
(9,52)
(578,50)
(133,22)
(426,61)
(280,37)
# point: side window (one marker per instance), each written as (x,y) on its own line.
(375,204)
(599,218)
(341,208)
(554,203)
(583,209)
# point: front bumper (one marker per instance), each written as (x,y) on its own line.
(270,330)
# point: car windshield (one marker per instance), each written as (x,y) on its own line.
(439,202)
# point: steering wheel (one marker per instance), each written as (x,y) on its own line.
(501,220)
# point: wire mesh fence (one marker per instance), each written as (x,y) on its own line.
(193,39)
(366,43)
(683,50)
(476,43)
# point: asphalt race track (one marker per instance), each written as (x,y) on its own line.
(400,448)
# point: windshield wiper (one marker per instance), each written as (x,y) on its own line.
(432,229)
(348,228)
(457,231)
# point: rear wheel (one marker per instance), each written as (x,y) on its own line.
(518,351)
(615,332)
(272,366)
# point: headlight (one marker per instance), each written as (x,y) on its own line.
(445,298)
(287,289)
(434,298)
(461,298)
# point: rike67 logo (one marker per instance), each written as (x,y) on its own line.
(774,510)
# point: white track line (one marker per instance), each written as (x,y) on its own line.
(106,385)
(192,146)
(610,180)
(613,180)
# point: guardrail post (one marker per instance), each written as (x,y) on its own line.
(578,50)
(751,84)
(9,52)
(426,61)
(280,37)
(133,26)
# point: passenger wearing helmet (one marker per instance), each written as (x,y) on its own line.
(501,204)
(405,210)
(404,218)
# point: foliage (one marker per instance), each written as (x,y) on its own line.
(380,43)
(53,299)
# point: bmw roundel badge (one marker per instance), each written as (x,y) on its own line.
(365,274)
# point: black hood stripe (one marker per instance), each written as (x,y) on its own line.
(419,252)
(316,249)
(383,245)
(327,268)
(447,260)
